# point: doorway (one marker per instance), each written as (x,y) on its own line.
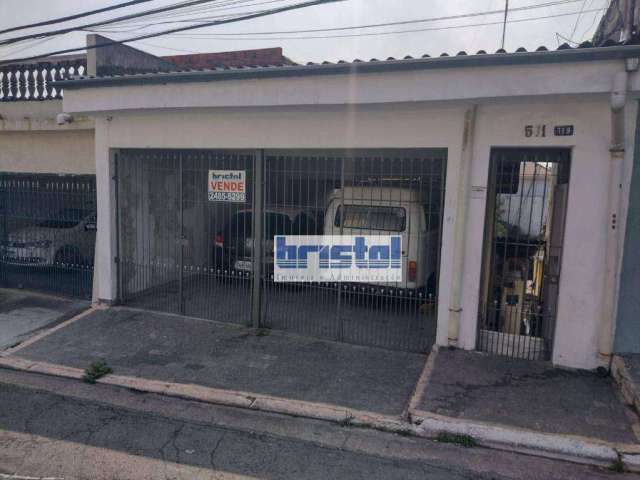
(524,233)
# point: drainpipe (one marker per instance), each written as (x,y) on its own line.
(460,228)
(616,166)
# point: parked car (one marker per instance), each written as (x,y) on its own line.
(67,238)
(234,243)
(390,211)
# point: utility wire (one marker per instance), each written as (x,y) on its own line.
(214,36)
(575,26)
(264,13)
(103,22)
(188,10)
(75,16)
(405,22)
(133,25)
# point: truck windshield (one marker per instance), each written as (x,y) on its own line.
(371,217)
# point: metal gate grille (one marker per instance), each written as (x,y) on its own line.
(47,233)
(181,252)
(169,235)
(361,193)
(524,233)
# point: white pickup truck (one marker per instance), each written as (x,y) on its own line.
(390,211)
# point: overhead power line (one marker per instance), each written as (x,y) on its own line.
(61,31)
(75,16)
(249,36)
(214,36)
(390,24)
(263,13)
(130,25)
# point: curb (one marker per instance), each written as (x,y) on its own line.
(569,447)
(425,424)
(231,398)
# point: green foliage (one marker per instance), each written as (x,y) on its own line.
(96,370)
(617,466)
(463,440)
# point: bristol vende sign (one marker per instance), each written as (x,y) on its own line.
(227,186)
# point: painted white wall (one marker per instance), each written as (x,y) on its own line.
(319,127)
(409,112)
(69,151)
(502,125)
(31,141)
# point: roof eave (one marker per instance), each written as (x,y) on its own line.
(478,60)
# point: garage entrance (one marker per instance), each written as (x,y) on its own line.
(48,233)
(524,233)
(186,249)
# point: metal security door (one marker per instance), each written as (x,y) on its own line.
(187,250)
(178,245)
(361,192)
(48,233)
(524,232)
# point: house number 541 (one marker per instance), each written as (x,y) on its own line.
(535,131)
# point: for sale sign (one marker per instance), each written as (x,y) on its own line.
(227,186)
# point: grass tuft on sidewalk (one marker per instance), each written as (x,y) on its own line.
(96,370)
(466,441)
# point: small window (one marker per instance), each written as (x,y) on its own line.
(369,217)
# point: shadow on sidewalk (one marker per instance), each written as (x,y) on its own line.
(526,394)
(191,351)
(23,314)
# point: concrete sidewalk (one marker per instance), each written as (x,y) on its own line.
(527,395)
(22,314)
(184,350)
(507,404)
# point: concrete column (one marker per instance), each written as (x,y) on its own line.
(447,255)
(105,268)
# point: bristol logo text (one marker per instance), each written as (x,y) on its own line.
(358,258)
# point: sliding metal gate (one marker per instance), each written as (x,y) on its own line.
(526,206)
(48,232)
(184,251)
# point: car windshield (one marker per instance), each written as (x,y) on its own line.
(275,224)
(370,217)
(66,218)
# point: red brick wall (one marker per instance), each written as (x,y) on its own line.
(240,58)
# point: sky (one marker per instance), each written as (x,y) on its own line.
(578,22)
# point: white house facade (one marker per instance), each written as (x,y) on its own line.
(571,111)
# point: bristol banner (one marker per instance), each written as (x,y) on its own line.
(338,258)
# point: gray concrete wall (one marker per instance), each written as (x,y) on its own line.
(627,338)
(119,59)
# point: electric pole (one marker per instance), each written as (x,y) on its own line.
(504,23)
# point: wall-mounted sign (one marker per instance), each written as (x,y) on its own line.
(478,191)
(563,130)
(539,130)
(227,186)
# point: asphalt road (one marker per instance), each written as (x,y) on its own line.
(61,428)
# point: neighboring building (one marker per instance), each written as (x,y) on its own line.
(431,148)
(47,161)
(619,24)
(260,58)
